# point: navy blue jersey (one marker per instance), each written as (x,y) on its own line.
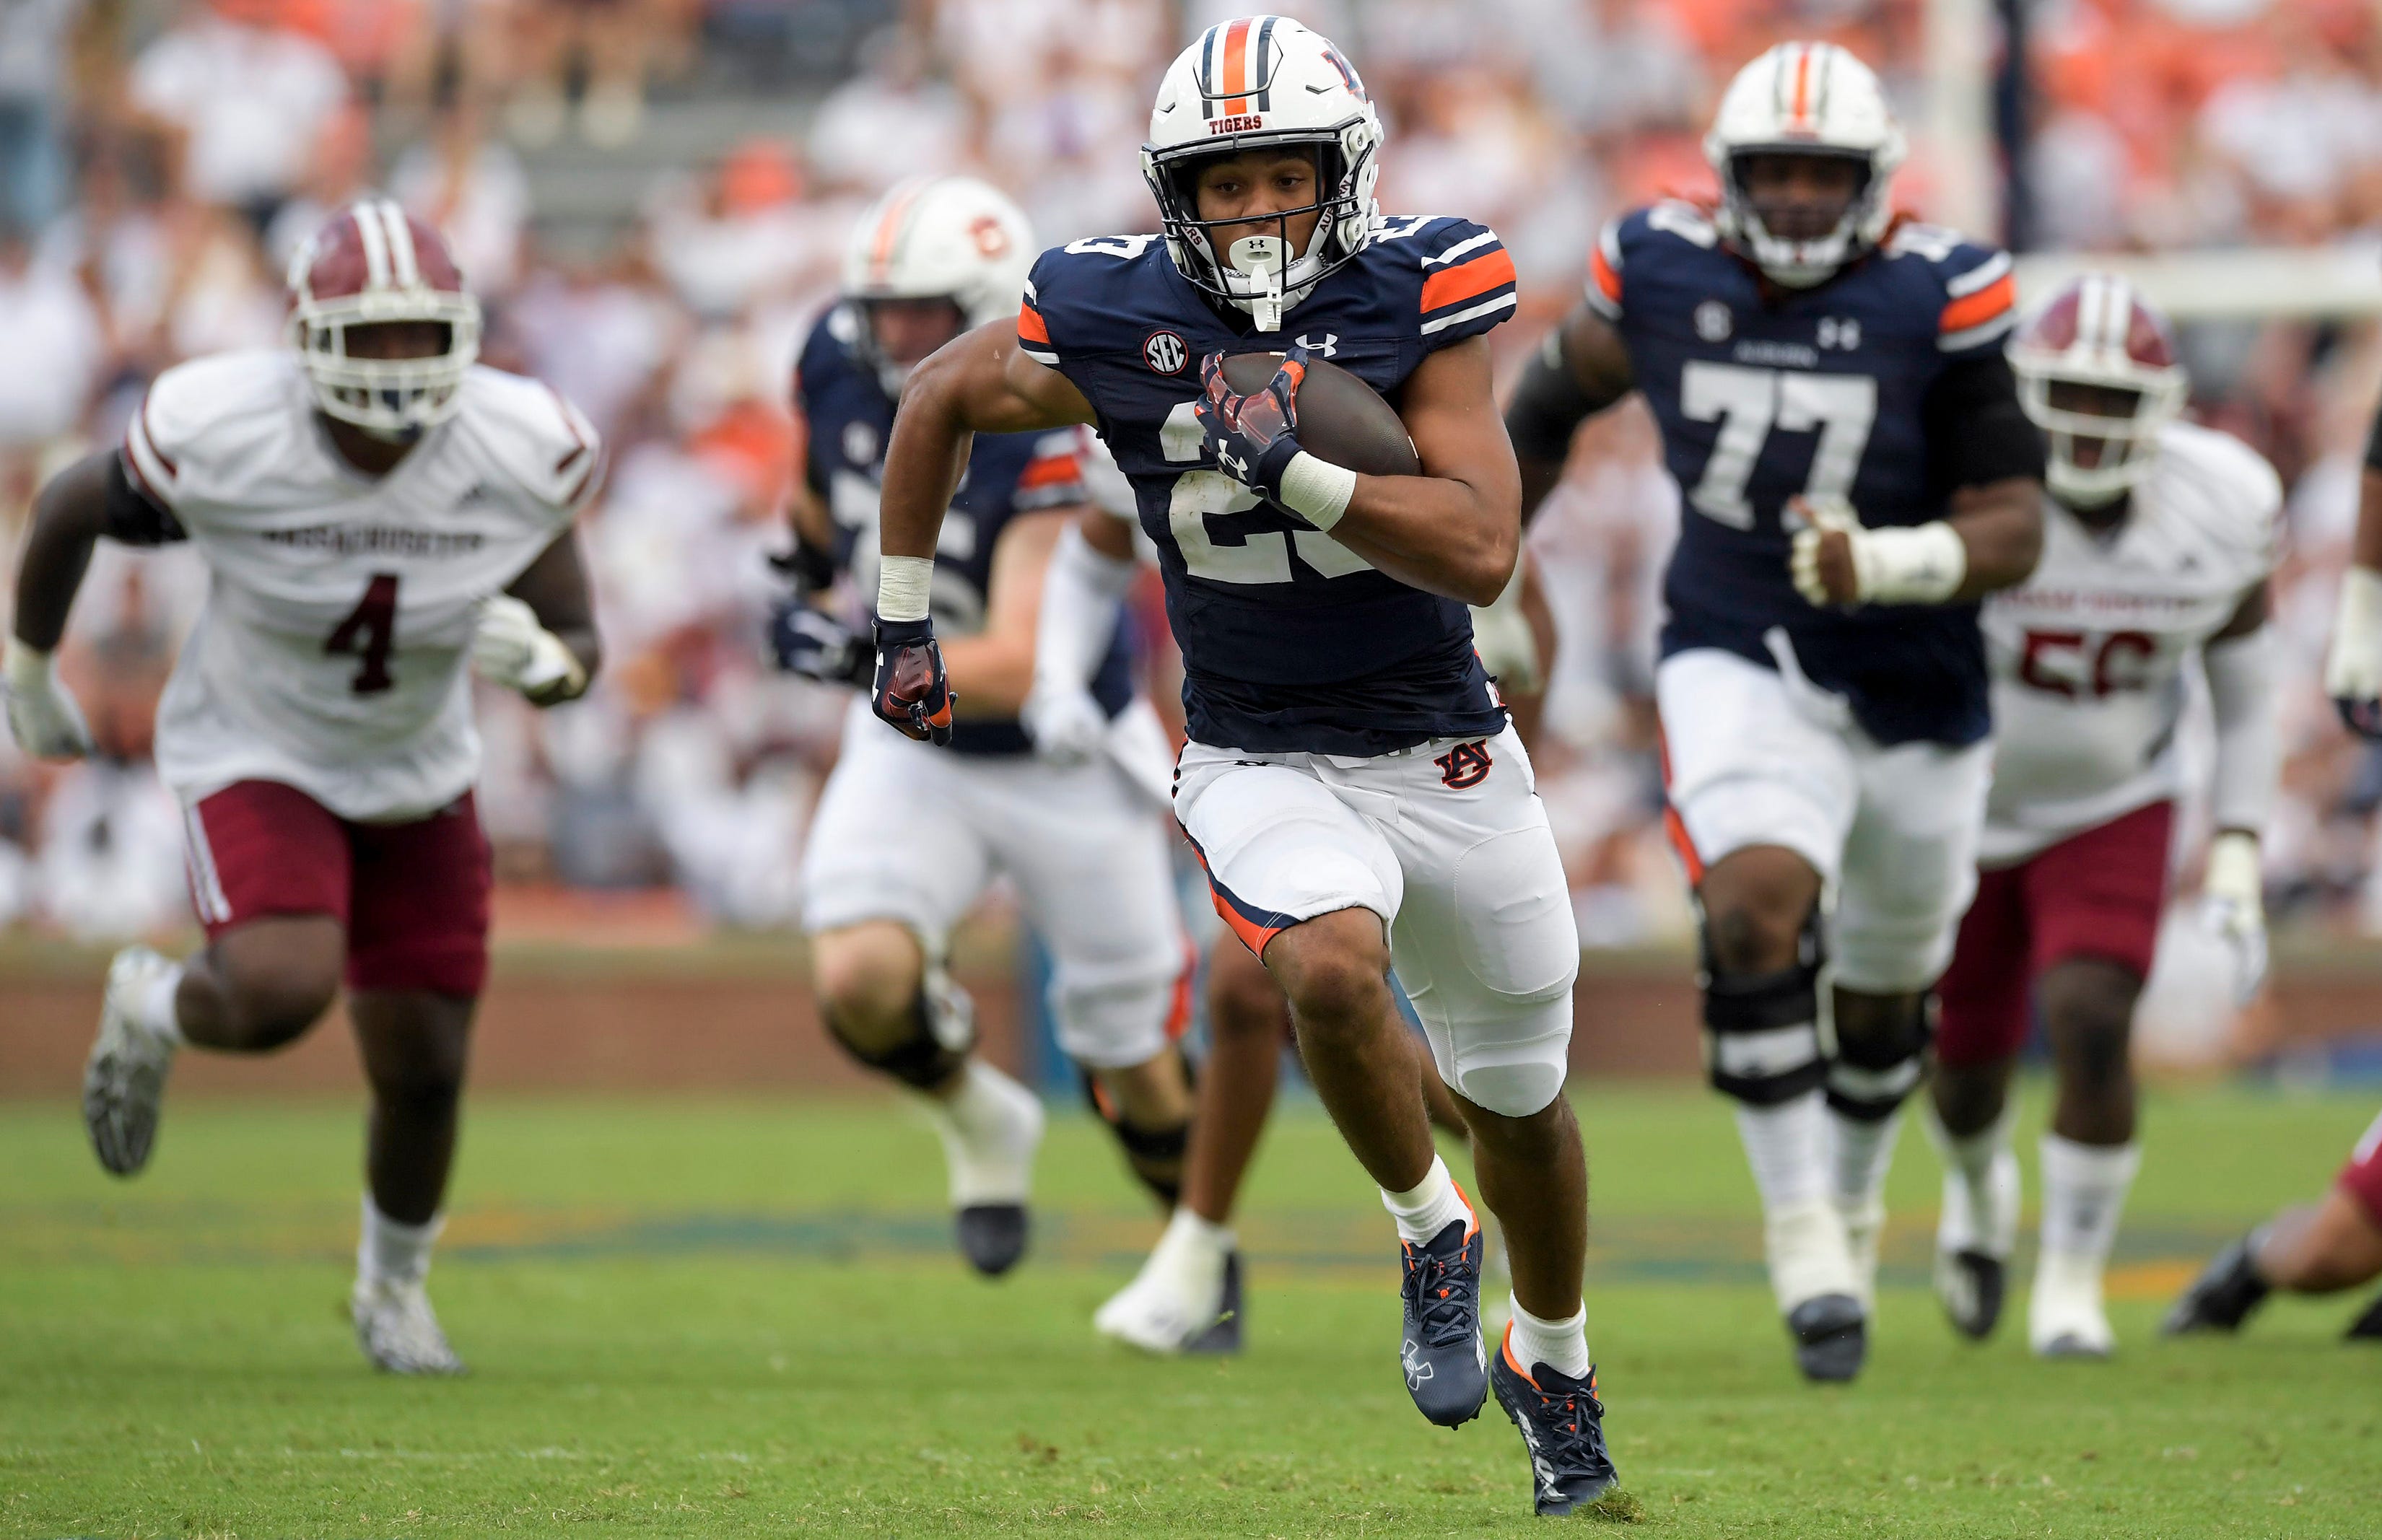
(851,417)
(1291,641)
(1766,393)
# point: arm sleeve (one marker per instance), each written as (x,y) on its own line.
(1080,593)
(1977,433)
(2249,744)
(133,517)
(1548,405)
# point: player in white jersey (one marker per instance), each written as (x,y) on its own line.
(380,518)
(2157,542)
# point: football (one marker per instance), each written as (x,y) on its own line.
(1341,418)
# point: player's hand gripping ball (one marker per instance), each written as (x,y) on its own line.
(911,691)
(1251,438)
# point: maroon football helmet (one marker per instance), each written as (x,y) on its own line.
(2099,330)
(374,265)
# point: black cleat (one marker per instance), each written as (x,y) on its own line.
(1971,1286)
(2368,1327)
(2222,1297)
(1223,1335)
(1446,1365)
(992,1236)
(1561,1425)
(1830,1338)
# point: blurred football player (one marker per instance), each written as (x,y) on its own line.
(380,518)
(2320,1248)
(1189,1296)
(906,838)
(1857,473)
(2352,669)
(1351,783)
(2158,537)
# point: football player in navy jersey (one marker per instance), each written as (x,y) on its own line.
(906,837)
(1351,784)
(1858,473)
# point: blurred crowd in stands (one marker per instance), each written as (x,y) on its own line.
(159,162)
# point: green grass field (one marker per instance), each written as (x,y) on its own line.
(742,1318)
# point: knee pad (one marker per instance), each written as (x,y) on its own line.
(936,1041)
(1762,1031)
(1145,1148)
(1872,1075)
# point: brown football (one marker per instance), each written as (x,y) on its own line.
(1341,418)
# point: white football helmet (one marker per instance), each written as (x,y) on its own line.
(938,237)
(374,265)
(1254,83)
(1805,99)
(2099,330)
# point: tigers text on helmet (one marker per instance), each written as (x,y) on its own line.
(2098,331)
(374,264)
(938,237)
(1805,99)
(1263,82)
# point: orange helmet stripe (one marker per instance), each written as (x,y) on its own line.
(1236,65)
(889,230)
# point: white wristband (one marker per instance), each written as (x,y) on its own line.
(1317,490)
(1899,566)
(2352,668)
(903,584)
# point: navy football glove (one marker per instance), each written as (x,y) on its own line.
(1251,438)
(818,647)
(911,690)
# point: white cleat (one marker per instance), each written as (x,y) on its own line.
(124,1079)
(1177,1297)
(397,1330)
(2064,1315)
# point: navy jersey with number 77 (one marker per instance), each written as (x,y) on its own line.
(1291,641)
(1764,394)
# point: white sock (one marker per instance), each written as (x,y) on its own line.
(1786,1146)
(1861,1152)
(1560,1345)
(1188,1237)
(156,1011)
(1968,1195)
(391,1252)
(990,1126)
(2084,1195)
(1427,1207)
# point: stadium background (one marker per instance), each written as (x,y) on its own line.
(651,196)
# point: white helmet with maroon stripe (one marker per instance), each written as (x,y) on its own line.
(372,265)
(1263,82)
(1805,99)
(939,237)
(2099,331)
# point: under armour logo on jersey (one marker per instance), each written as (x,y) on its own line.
(1466,766)
(1328,346)
(1165,353)
(1840,332)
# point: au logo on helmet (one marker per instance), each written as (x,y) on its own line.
(1165,353)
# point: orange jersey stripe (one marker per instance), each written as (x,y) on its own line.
(1029,325)
(1049,470)
(1976,308)
(1481,274)
(1236,64)
(1608,282)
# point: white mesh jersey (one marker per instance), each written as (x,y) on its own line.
(332,653)
(2088,655)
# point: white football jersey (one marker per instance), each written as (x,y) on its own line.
(2088,655)
(332,653)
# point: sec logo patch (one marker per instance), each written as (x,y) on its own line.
(1166,352)
(1713,322)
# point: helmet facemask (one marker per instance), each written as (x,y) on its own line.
(394,399)
(1266,274)
(1793,257)
(2121,417)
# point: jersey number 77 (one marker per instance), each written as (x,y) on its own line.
(1748,403)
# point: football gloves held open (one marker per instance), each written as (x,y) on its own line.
(512,648)
(2233,910)
(42,715)
(2352,669)
(911,690)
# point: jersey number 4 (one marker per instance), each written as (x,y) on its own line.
(370,633)
(1747,403)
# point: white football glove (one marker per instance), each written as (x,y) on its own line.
(1500,634)
(1066,725)
(2352,668)
(2233,908)
(512,649)
(1894,564)
(42,715)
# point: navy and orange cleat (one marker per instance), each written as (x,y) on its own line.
(1446,1364)
(1561,1425)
